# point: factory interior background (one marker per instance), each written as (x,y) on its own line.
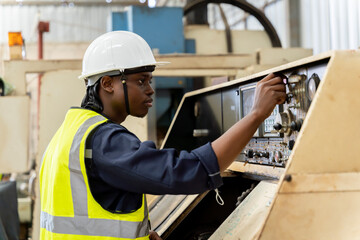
(210,46)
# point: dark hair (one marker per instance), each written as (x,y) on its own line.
(92,100)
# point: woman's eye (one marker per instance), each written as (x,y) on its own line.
(141,81)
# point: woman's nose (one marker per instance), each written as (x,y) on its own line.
(149,90)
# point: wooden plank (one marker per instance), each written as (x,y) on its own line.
(328,140)
(15,70)
(160,72)
(213,41)
(321,201)
(217,61)
(14,130)
(261,170)
(281,56)
(163,209)
(323,182)
(177,216)
(253,69)
(245,221)
(320,216)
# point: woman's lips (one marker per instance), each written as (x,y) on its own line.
(148,103)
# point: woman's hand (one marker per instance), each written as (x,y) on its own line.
(269,92)
(154,236)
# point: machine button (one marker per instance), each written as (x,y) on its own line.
(291,144)
(250,153)
(289,96)
(277,126)
(264,154)
(272,156)
(296,125)
(257,154)
(278,156)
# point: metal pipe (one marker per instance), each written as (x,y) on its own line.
(42,27)
(40,45)
(227,30)
(247,7)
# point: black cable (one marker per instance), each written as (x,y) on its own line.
(123,81)
(247,7)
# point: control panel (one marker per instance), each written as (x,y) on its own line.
(274,140)
(206,114)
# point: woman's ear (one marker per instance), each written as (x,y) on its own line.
(107,83)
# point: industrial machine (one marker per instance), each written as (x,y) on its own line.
(226,104)
(298,176)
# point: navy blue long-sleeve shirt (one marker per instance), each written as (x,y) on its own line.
(123,168)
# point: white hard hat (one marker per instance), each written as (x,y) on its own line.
(115,52)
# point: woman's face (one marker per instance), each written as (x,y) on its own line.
(139,93)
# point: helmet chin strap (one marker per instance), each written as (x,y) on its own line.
(123,81)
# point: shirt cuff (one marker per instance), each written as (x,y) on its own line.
(208,159)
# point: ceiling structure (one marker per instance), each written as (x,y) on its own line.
(74,2)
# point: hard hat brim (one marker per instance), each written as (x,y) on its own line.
(84,76)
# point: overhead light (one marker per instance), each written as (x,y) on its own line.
(142,1)
(108,1)
(151,3)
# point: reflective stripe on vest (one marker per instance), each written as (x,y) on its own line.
(81,224)
(92,227)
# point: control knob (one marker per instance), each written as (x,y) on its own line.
(277,156)
(283,121)
(264,154)
(296,125)
(289,96)
(249,153)
(257,154)
(277,126)
(291,144)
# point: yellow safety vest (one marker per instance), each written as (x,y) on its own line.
(68,209)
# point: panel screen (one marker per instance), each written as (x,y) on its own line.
(267,126)
(247,95)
